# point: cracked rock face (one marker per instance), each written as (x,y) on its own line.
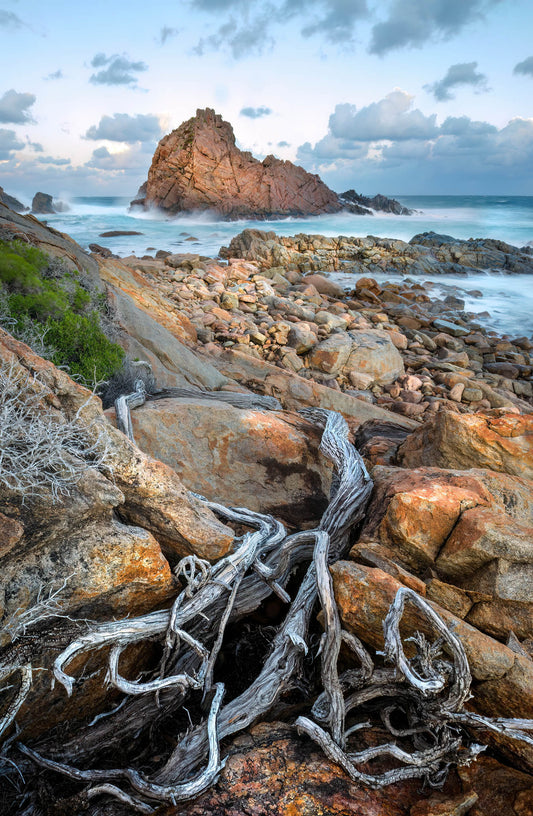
(199,167)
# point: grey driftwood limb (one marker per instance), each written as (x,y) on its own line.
(426,691)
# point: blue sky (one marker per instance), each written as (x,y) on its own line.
(399,96)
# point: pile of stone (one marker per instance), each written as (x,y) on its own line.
(392,345)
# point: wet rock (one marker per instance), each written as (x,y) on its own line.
(42,204)
(11,202)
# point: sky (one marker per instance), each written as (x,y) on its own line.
(413,97)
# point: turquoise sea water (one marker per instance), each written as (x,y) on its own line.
(509,218)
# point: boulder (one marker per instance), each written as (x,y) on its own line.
(448,519)
(325,286)
(501,441)
(364,594)
(482,537)
(266,461)
(42,204)
(374,353)
(301,338)
(199,167)
(419,521)
(331,354)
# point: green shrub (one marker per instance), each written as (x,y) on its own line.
(82,345)
(41,292)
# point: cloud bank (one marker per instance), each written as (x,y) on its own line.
(389,146)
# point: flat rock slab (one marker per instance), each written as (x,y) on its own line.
(266,461)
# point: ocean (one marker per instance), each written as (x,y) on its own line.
(507,299)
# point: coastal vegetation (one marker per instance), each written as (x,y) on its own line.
(56,311)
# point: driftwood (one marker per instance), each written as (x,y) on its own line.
(125,403)
(418,700)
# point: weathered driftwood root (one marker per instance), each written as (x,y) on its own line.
(126,403)
(418,700)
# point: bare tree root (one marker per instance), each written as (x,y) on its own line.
(418,701)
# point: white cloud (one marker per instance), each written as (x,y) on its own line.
(121,127)
(462,73)
(14,107)
(8,143)
(119,70)
(390,118)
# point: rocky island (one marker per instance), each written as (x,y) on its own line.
(203,562)
(198,167)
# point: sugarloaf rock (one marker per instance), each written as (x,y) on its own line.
(199,167)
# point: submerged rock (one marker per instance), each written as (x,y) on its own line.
(378,202)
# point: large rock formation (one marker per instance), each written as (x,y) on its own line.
(11,202)
(43,204)
(199,167)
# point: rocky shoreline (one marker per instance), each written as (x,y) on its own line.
(393,345)
(441,410)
